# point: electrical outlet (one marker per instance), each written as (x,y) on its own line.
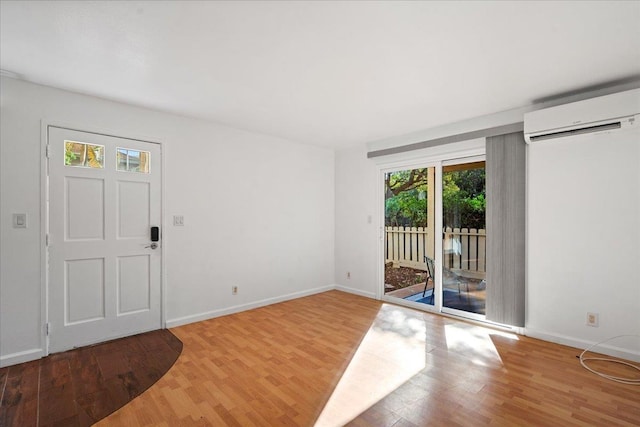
(348,275)
(234,290)
(592,319)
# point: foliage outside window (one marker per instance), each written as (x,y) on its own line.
(80,154)
(406,198)
(463,198)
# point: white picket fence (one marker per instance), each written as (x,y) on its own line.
(464,249)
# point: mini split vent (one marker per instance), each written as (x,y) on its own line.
(572,132)
(605,113)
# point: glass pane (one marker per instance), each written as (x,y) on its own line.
(80,154)
(410,235)
(464,237)
(129,160)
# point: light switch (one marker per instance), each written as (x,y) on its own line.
(178,220)
(20,220)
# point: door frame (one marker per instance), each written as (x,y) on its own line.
(457,161)
(382,170)
(45,124)
(430,157)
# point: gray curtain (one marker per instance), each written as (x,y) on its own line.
(505,174)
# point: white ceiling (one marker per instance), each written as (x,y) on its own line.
(327,73)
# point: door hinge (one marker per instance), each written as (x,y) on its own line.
(46,156)
(47,328)
(46,240)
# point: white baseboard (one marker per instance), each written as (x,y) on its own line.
(607,349)
(21,357)
(355,291)
(29,355)
(172,323)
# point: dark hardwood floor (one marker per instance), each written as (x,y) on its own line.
(82,386)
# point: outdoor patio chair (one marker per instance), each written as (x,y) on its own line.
(446,280)
(430,272)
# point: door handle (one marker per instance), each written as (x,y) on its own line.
(155,236)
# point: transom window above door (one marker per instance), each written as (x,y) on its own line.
(130,160)
(84,155)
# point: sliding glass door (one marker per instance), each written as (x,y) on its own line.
(434,236)
(409,235)
(464,237)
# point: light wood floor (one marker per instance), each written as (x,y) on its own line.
(335,358)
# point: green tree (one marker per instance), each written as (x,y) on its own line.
(406,198)
(463,198)
(69,155)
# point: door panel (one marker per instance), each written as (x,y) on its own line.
(409,235)
(84,290)
(133,209)
(134,282)
(464,237)
(104,276)
(84,213)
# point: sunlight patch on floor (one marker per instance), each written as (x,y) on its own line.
(475,343)
(392,351)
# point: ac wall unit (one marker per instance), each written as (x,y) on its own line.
(604,113)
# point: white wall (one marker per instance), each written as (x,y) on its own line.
(584,239)
(258,210)
(356,222)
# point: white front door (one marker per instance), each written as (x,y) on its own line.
(104,272)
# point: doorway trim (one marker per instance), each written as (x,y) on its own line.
(432,157)
(45,124)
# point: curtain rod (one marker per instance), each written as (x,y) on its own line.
(481,133)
